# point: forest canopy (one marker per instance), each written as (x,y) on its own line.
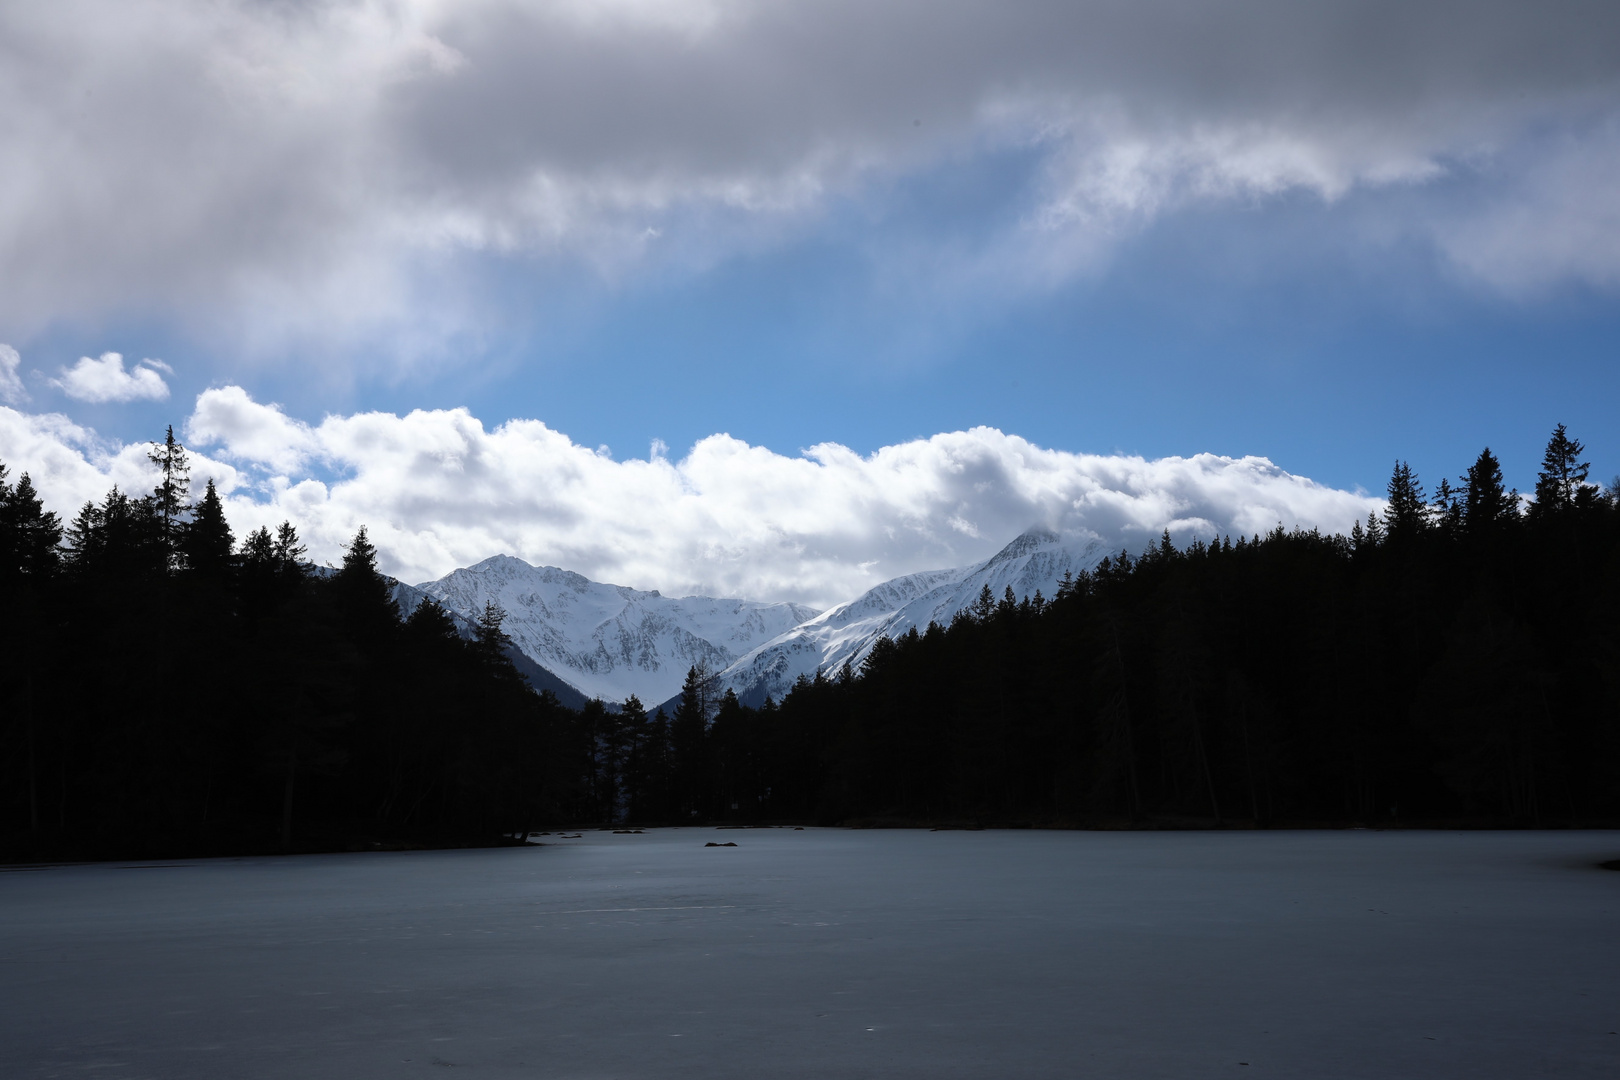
(172,689)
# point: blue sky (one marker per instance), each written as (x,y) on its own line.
(1327,237)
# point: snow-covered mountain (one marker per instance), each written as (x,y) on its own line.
(1035,561)
(611,641)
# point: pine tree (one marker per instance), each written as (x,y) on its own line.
(430,622)
(1448,508)
(984,607)
(1406,515)
(1375,531)
(206,540)
(1561,484)
(171,497)
(122,538)
(29,534)
(289,552)
(364,595)
(266,577)
(1487,502)
(631,733)
(688,738)
(490,641)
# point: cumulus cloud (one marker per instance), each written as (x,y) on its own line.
(11,386)
(71,465)
(314,165)
(260,435)
(438,490)
(103,379)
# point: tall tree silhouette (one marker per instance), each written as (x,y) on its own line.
(1487,502)
(29,534)
(1561,485)
(1406,514)
(206,542)
(364,595)
(172,496)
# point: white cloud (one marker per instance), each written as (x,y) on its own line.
(103,379)
(11,386)
(256,434)
(71,465)
(314,169)
(437,490)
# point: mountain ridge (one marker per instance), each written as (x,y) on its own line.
(611,641)
(1034,561)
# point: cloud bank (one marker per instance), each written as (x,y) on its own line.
(437,490)
(316,168)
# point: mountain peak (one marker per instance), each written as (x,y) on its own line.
(1034,561)
(1031,539)
(610,641)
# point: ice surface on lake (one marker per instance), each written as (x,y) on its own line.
(828,953)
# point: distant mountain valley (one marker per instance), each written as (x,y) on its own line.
(584,639)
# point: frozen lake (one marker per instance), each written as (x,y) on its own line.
(828,953)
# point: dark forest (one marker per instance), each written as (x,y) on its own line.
(170,690)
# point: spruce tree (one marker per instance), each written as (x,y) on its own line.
(289,551)
(429,622)
(1561,484)
(688,740)
(206,540)
(1449,507)
(364,595)
(1406,515)
(983,607)
(489,640)
(1487,502)
(171,496)
(29,534)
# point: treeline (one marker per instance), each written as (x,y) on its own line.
(1453,660)
(168,690)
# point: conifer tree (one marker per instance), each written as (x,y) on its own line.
(1449,507)
(631,732)
(1375,531)
(985,606)
(688,731)
(430,622)
(258,549)
(1487,502)
(1561,484)
(289,551)
(29,534)
(172,494)
(364,594)
(206,540)
(1406,515)
(491,642)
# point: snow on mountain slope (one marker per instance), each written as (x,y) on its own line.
(1035,561)
(610,641)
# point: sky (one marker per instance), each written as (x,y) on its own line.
(782,299)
